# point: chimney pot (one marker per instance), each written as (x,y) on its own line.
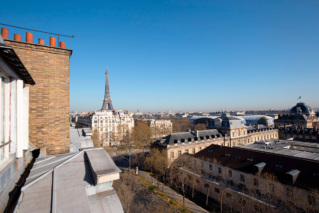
(17,37)
(62,44)
(41,41)
(5,33)
(29,37)
(52,41)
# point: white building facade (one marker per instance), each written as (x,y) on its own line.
(14,120)
(160,128)
(112,125)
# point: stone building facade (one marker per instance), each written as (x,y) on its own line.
(228,131)
(255,180)
(49,98)
(111,125)
(300,115)
(160,128)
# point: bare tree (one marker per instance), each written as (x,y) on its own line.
(96,138)
(141,135)
(181,125)
(200,127)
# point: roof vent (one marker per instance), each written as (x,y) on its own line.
(292,175)
(259,167)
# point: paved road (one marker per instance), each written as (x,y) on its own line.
(189,204)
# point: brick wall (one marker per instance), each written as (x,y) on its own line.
(49,98)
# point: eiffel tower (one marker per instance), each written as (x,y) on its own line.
(107,103)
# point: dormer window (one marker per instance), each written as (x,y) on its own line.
(182,140)
(175,141)
(207,136)
(189,139)
(202,137)
(292,175)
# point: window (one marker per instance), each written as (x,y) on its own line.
(200,148)
(271,187)
(210,167)
(197,181)
(217,190)
(242,201)
(311,200)
(230,173)
(228,194)
(255,182)
(258,208)
(206,185)
(179,153)
(193,150)
(219,170)
(242,178)
(289,193)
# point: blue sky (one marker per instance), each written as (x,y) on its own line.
(182,55)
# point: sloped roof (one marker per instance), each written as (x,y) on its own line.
(242,159)
(195,135)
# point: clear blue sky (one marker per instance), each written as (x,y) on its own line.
(183,55)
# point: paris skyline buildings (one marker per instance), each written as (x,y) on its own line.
(183,55)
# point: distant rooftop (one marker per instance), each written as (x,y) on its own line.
(289,148)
